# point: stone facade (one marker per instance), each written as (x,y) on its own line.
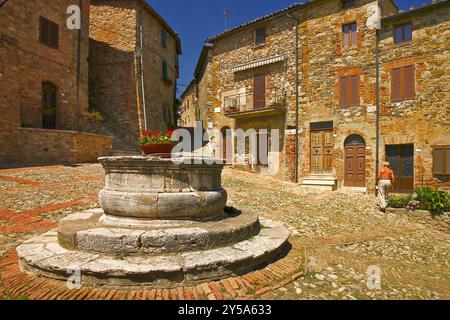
(188,109)
(27,63)
(115,68)
(328,131)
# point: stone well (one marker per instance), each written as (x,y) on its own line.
(162,223)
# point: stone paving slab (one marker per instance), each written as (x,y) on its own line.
(336,236)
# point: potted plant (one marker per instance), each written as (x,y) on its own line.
(95,116)
(156,143)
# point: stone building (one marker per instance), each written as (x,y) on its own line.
(188,108)
(251,83)
(122,68)
(44,85)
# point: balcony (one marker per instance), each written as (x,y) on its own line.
(249,104)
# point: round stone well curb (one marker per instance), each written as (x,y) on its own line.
(44,255)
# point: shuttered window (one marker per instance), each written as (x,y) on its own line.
(260,36)
(441,161)
(163,38)
(403,33)
(349,91)
(48,33)
(349,32)
(402,84)
(165,74)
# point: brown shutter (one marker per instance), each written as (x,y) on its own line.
(396,84)
(343,94)
(354,90)
(408,83)
(438,161)
(43,30)
(447,160)
(259,91)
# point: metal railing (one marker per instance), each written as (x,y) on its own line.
(248,101)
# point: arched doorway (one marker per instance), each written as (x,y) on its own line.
(226,144)
(355,161)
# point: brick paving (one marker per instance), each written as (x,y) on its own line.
(335,237)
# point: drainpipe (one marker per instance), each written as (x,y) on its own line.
(141,47)
(377,66)
(296,161)
(79,65)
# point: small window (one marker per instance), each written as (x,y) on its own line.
(348,3)
(402,84)
(349,32)
(48,33)
(349,91)
(164,38)
(441,161)
(403,33)
(260,36)
(165,74)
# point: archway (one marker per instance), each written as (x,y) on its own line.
(355,161)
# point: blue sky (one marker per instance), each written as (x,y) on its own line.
(197,20)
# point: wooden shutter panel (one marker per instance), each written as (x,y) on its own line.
(354,31)
(343,92)
(447,160)
(396,84)
(408,83)
(438,161)
(43,30)
(54,35)
(354,90)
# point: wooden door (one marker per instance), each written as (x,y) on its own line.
(355,165)
(321,151)
(259,91)
(401,159)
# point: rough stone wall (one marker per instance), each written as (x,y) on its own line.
(113,78)
(239,48)
(25,63)
(160,95)
(57,146)
(187,109)
(323,62)
(115,73)
(424,121)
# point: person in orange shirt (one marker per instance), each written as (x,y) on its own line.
(386,179)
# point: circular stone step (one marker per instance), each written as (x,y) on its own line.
(93,231)
(45,256)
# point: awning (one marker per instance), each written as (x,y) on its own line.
(259,63)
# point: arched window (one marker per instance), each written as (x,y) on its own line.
(49,104)
(354,139)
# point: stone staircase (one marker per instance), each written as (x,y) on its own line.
(325,182)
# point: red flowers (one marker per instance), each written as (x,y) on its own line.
(156,137)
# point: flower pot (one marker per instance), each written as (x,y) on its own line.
(157,149)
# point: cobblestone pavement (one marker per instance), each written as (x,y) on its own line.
(336,236)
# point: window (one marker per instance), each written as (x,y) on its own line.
(48,107)
(349,35)
(165,74)
(164,38)
(349,91)
(402,84)
(348,3)
(441,161)
(403,33)
(48,33)
(260,36)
